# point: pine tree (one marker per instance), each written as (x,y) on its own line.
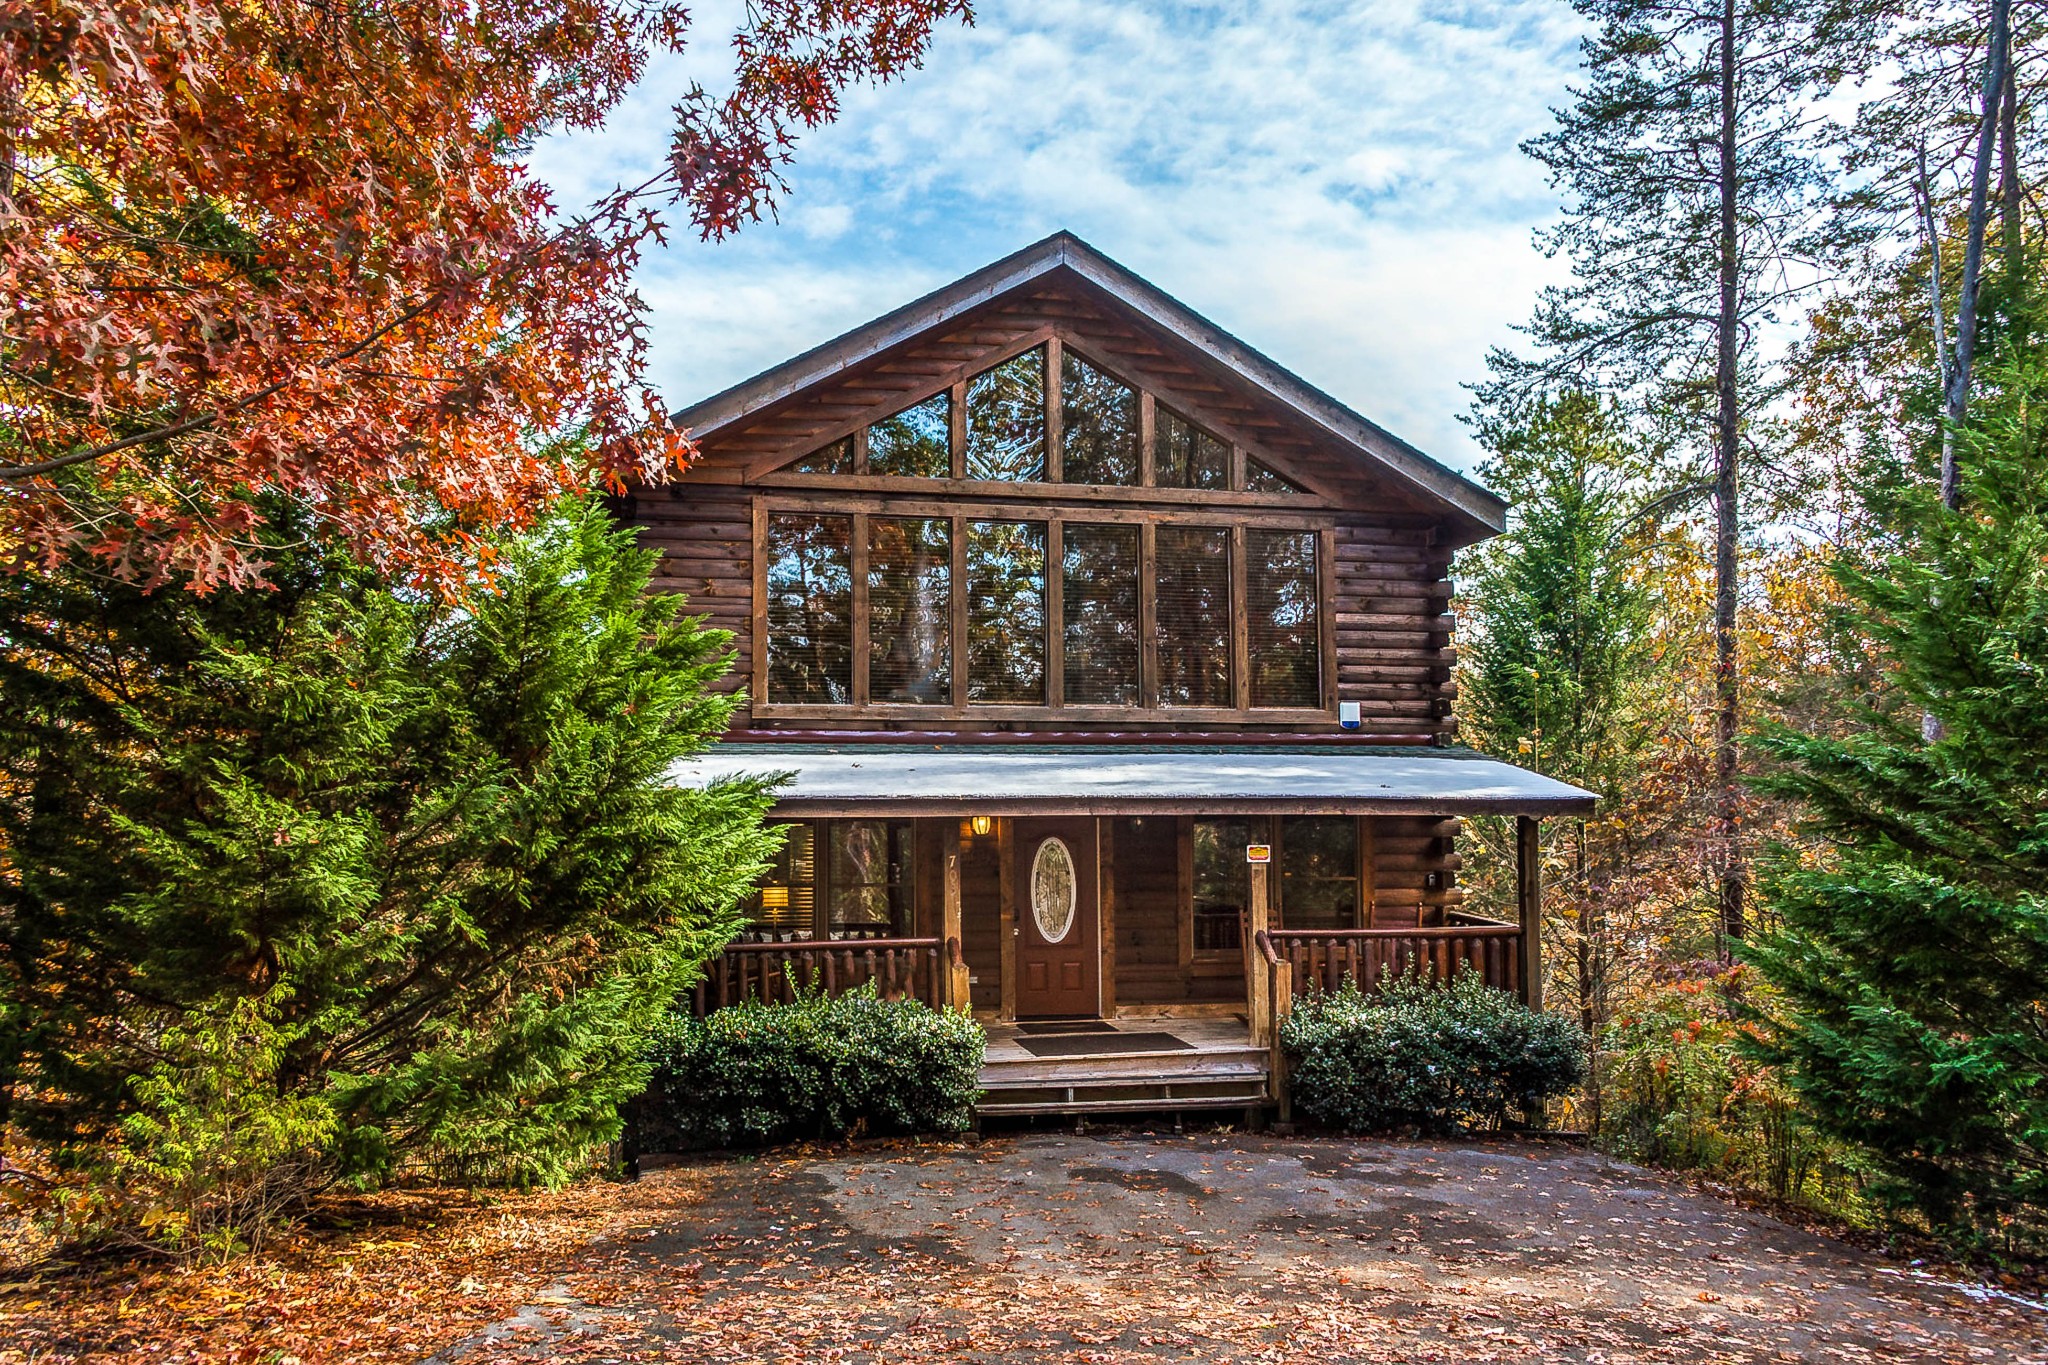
(1912,966)
(1560,622)
(1693,191)
(425,857)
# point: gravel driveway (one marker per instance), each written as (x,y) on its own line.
(1228,1247)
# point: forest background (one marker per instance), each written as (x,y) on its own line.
(1774,587)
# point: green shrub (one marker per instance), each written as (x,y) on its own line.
(1438,1059)
(755,1073)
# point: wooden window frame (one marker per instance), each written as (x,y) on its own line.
(1055,517)
(771,470)
(822,884)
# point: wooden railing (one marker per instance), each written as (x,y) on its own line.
(1324,958)
(916,968)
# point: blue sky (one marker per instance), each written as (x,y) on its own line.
(1337,184)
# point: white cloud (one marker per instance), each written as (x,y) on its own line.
(1337,184)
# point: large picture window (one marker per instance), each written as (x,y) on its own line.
(810,609)
(1319,881)
(1284,654)
(871,874)
(1006,612)
(1099,603)
(1222,882)
(953,610)
(1194,616)
(838,879)
(910,610)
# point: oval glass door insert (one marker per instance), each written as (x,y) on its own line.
(1052,890)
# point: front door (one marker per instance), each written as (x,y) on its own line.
(1059,947)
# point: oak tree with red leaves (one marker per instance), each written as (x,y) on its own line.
(287,249)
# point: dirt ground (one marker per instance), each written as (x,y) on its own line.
(1149,1247)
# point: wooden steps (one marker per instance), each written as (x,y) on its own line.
(1218,1070)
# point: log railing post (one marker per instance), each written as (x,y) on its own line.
(957,994)
(1258,987)
(1529,900)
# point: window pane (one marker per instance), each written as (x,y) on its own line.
(786,903)
(910,610)
(1006,611)
(1185,456)
(1098,425)
(1319,872)
(1222,883)
(872,876)
(836,458)
(916,442)
(1099,598)
(1194,616)
(1006,420)
(810,609)
(1280,597)
(1263,478)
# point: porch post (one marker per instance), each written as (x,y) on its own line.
(1258,1000)
(953,964)
(1529,899)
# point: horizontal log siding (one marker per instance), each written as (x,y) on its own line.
(705,536)
(1146,881)
(1391,597)
(1406,849)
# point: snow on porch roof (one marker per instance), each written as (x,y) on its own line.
(1094,779)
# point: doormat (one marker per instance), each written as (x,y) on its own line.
(1068,1026)
(1101,1044)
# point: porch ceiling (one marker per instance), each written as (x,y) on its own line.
(1093,779)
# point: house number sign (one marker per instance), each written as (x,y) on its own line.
(1052,890)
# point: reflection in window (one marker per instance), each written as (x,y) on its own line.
(1006,611)
(810,610)
(871,878)
(1098,425)
(1193,615)
(916,442)
(1222,883)
(1185,456)
(836,458)
(1099,599)
(1263,478)
(910,610)
(1006,419)
(1280,598)
(1319,872)
(785,904)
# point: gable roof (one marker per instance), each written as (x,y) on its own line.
(1482,512)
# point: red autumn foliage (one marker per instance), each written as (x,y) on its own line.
(288,247)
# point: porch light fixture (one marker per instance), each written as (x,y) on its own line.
(774,898)
(981,824)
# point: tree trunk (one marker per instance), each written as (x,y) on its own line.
(1973,245)
(1727,511)
(2010,202)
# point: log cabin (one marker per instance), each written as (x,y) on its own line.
(1110,668)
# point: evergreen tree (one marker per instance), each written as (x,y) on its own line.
(1912,966)
(1560,626)
(1689,163)
(421,862)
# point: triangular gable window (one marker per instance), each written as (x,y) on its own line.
(1260,477)
(1009,437)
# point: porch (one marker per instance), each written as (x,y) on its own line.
(1078,899)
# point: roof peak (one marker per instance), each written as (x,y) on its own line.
(1479,507)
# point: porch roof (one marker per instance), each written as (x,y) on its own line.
(825,779)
